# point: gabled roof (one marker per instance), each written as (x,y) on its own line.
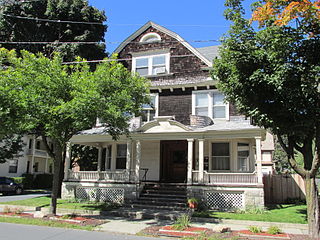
(168,32)
(210,52)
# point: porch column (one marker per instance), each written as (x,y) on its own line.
(190,159)
(107,158)
(129,155)
(99,159)
(67,162)
(138,159)
(46,165)
(33,153)
(201,160)
(259,159)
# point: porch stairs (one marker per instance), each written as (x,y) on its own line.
(162,201)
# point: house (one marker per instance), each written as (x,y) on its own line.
(188,136)
(32,159)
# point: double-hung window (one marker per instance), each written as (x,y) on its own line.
(149,111)
(209,103)
(121,158)
(243,157)
(13,166)
(220,156)
(151,65)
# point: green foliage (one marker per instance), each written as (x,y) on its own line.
(10,146)
(85,157)
(193,200)
(27,180)
(182,222)
(24,30)
(43,181)
(255,229)
(18,180)
(274,230)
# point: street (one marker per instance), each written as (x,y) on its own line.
(21,197)
(9,231)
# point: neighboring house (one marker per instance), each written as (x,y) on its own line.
(188,135)
(33,159)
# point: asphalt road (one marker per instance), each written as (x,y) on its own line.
(9,231)
(21,197)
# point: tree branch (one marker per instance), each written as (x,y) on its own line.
(49,150)
(283,145)
(316,158)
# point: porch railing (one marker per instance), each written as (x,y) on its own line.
(113,176)
(225,178)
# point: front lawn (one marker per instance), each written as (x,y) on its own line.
(62,204)
(287,213)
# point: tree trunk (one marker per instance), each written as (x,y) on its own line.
(56,178)
(312,207)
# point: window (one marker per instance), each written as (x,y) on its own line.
(13,166)
(220,156)
(151,65)
(108,157)
(121,160)
(210,103)
(150,37)
(243,157)
(38,144)
(36,167)
(30,143)
(149,111)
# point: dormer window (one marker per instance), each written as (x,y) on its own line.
(151,65)
(150,37)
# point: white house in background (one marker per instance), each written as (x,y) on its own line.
(187,136)
(33,159)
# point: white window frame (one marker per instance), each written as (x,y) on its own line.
(150,57)
(120,156)
(13,163)
(210,105)
(146,36)
(230,156)
(156,107)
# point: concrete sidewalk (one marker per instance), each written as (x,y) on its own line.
(122,225)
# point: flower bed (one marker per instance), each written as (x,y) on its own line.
(187,232)
(247,233)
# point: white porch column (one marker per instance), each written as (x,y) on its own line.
(99,159)
(46,165)
(259,159)
(33,153)
(107,158)
(67,162)
(201,159)
(190,159)
(129,155)
(138,159)
(113,156)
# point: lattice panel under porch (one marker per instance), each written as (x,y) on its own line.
(115,195)
(224,200)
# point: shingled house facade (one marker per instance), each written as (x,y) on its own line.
(188,135)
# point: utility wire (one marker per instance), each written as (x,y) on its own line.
(52,20)
(114,42)
(121,59)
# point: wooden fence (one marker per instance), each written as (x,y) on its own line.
(281,188)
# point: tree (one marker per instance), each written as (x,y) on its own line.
(64,99)
(17,24)
(272,75)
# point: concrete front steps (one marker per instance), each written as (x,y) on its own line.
(156,201)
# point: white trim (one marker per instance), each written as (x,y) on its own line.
(156,35)
(210,106)
(156,107)
(166,31)
(150,66)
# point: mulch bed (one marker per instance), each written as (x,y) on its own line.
(247,233)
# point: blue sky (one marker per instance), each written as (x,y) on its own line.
(125,17)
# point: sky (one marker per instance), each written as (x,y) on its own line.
(204,18)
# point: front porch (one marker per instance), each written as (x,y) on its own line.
(213,165)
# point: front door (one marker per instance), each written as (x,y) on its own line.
(174,161)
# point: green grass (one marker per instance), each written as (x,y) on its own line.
(287,213)
(40,222)
(62,204)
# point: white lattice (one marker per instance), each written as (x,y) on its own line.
(115,195)
(224,200)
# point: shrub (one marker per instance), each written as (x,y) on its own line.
(18,180)
(274,230)
(182,222)
(43,181)
(27,180)
(255,229)
(7,209)
(18,210)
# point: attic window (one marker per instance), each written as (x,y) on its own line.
(150,37)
